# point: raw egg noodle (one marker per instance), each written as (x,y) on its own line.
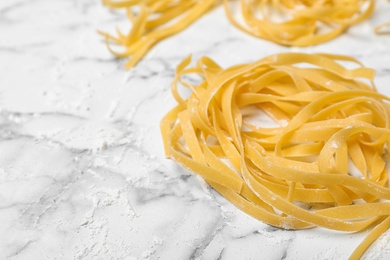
(383,29)
(303,23)
(153,21)
(322,162)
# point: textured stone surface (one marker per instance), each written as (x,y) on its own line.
(82,170)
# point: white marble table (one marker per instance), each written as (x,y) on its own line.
(82,170)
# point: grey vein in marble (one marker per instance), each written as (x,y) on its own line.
(82,169)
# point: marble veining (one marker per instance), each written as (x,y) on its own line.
(82,169)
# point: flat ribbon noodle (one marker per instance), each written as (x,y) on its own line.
(304,23)
(278,140)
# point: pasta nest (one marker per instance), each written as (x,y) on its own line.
(294,140)
(286,22)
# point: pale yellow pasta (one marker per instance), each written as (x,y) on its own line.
(295,174)
(153,21)
(305,23)
(301,23)
(383,29)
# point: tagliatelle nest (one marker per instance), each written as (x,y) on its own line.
(286,22)
(322,162)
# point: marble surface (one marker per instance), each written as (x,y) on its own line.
(82,170)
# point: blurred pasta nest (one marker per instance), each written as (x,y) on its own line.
(286,22)
(295,140)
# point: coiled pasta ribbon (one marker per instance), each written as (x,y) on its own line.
(322,163)
(154,21)
(305,23)
(301,22)
(383,29)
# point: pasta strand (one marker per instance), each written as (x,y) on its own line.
(285,22)
(277,141)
